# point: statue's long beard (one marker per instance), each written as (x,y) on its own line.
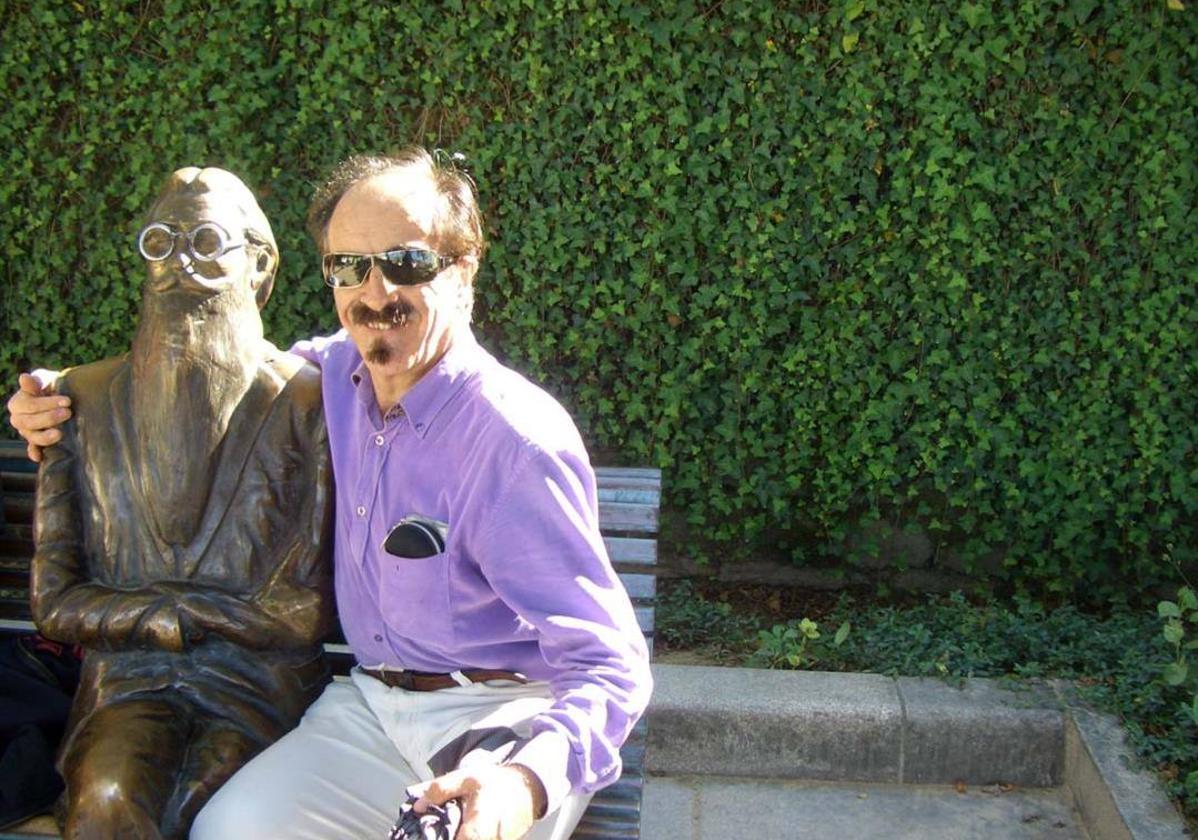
(191,368)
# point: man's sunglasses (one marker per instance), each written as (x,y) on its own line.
(401,267)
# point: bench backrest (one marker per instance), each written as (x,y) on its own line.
(18,475)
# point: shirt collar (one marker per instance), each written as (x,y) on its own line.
(424,400)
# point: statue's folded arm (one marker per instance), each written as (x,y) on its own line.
(290,609)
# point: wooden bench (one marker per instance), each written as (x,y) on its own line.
(629,501)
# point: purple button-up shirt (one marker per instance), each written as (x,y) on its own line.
(524,583)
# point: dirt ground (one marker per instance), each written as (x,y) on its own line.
(769,604)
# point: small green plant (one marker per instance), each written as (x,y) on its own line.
(796,644)
(1181,672)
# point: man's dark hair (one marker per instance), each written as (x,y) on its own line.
(457,223)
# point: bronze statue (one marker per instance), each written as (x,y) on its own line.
(183,528)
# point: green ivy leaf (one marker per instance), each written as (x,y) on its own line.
(1173,631)
(1186,599)
(1175,673)
(842,633)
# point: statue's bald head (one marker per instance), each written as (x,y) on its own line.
(226,200)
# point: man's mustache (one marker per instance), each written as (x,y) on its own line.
(400,310)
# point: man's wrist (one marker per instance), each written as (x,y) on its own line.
(536,789)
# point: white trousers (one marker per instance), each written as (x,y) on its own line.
(342,772)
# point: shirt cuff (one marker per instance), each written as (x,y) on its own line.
(547,755)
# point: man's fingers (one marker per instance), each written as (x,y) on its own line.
(35,442)
(40,382)
(27,384)
(455,785)
(37,414)
(496,801)
(36,408)
(36,411)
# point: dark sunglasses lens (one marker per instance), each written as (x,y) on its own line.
(344,271)
(156,243)
(207,242)
(409,268)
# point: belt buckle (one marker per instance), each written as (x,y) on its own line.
(402,679)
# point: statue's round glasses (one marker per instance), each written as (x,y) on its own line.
(401,267)
(206,241)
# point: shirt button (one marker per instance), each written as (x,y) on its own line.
(378,440)
(361,511)
(419,427)
(378,637)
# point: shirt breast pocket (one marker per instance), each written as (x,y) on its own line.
(415,598)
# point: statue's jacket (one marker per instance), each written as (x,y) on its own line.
(230,618)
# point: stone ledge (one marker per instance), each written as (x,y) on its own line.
(778,724)
(851,727)
(1118,800)
(982,733)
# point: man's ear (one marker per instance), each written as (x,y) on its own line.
(468,267)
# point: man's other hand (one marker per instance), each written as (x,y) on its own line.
(499,802)
(36,412)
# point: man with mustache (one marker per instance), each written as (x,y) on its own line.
(183,524)
(499,661)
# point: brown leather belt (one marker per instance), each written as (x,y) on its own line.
(424,681)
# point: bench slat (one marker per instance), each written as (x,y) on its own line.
(18,509)
(640,587)
(629,496)
(625,516)
(607,472)
(644,617)
(600,829)
(17,481)
(43,826)
(631,551)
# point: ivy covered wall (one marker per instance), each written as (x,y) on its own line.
(931,266)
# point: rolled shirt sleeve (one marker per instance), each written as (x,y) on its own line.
(542,552)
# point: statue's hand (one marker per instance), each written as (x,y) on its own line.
(177,604)
(162,629)
(36,412)
(207,610)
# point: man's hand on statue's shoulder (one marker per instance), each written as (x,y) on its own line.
(36,412)
(499,802)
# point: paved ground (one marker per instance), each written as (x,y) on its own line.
(719,808)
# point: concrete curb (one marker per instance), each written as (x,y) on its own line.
(1116,799)
(852,728)
(817,726)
